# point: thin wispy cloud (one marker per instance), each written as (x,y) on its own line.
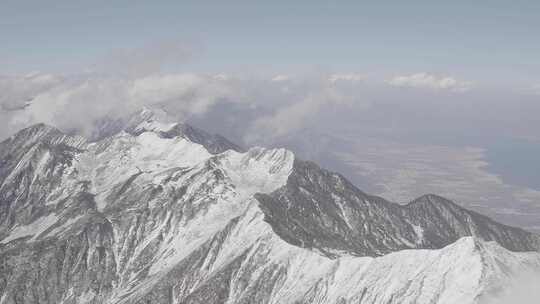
(522,289)
(430,81)
(78,102)
(17,91)
(280,78)
(351,77)
(298,113)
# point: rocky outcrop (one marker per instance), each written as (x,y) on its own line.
(321,210)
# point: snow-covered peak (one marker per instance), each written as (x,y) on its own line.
(173,214)
(163,124)
(258,169)
(147,119)
(42,133)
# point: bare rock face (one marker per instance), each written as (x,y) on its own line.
(321,210)
(162,212)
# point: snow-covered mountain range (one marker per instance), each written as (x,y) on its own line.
(156,211)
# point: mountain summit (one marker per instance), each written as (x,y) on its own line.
(162,212)
(162,123)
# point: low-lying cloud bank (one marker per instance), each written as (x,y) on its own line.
(75,103)
(522,289)
(259,109)
(430,81)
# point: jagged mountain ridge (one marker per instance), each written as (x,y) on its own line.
(321,210)
(140,217)
(159,121)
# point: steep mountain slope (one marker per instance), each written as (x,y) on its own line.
(165,213)
(321,210)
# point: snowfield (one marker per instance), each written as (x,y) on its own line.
(154,215)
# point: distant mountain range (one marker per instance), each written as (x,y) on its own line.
(156,211)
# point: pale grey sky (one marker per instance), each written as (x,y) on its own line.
(495,41)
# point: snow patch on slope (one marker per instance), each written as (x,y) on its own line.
(459,273)
(35,228)
(123,156)
(258,170)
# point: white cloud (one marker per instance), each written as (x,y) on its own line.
(16,91)
(78,102)
(430,81)
(522,289)
(350,77)
(195,93)
(290,117)
(280,78)
(305,101)
(222,76)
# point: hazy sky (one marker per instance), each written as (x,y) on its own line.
(495,41)
(408,62)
